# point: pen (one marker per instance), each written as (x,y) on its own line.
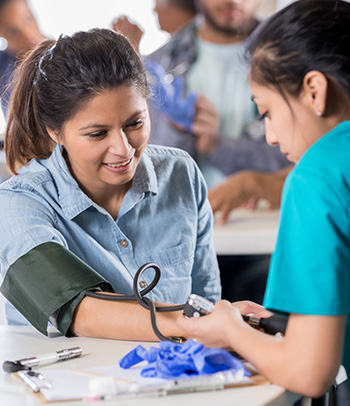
(51,358)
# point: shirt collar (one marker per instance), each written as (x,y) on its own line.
(74,201)
(71,198)
(184,41)
(145,179)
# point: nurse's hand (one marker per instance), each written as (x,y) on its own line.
(217,328)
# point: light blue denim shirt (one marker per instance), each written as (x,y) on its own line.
(165,218)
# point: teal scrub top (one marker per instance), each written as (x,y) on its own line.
(310,268)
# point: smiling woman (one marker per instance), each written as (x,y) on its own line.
(104,154)
(89,196)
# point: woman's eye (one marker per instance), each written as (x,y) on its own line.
(135,124)
(97,134)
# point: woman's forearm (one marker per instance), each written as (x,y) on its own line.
(121,320)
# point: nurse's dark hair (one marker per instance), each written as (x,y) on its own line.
(304,36)
(57,79)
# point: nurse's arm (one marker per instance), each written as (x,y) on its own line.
(305,361)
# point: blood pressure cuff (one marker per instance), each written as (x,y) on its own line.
(50,279)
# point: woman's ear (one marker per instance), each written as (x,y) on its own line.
(315,86)
(54,136)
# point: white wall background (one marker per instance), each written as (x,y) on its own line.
(283,3)
(67,16)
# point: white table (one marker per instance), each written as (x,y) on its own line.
(18,342)
(247,232)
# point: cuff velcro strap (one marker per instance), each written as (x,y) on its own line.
(45,279)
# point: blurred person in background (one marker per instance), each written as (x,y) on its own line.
(219,127)
(171,14)
(20,29)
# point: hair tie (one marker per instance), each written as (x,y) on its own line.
(40,71)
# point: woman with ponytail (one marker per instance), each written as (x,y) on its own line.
(90,202)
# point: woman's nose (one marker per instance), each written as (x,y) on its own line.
(119,144)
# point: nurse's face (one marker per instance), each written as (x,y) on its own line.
(105,140)
(292,125)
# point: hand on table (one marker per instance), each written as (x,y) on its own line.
(247,188)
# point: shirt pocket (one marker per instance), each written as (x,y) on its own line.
(176,266)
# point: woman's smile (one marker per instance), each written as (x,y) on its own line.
(119,167)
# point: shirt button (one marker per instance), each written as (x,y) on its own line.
(124,243)
(142,284)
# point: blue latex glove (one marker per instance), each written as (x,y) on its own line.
(170,98)
(172,360)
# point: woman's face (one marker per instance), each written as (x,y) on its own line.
(294,126)
(105,140)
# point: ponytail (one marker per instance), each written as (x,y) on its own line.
(25,138)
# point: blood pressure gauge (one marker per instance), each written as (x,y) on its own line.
(197,306)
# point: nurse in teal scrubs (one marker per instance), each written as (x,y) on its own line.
(300,81)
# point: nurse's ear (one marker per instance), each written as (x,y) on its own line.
(54,135)
(315,89)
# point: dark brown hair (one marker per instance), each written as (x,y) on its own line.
(304,36)
(56,79)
